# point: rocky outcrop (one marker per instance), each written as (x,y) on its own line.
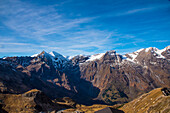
(166,91)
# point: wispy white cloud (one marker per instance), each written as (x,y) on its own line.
(133,11)
(39,23)
(161,41)
(34,22)
(137,10)
(144,9)
(12,43)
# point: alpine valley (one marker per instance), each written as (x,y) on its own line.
(106,78)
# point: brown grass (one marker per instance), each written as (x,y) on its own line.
(17,103)
(151,102)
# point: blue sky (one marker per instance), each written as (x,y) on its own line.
(72,27)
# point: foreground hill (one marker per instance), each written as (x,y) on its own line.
(156,101)
(33,101)
(102,78)
(153,102)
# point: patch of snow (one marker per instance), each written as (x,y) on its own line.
(81,55)
(157,51)
(133,56)
(112,54)
(34,55)
(69,57)
(95,57)
(4,58)
(128,59)
(147,49)
(124,57)
(58,60)
(139,50)
(168,47)
(55,54)
(152,49)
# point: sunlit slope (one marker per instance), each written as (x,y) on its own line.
(152,102)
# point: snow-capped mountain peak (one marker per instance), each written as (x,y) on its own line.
(155,52)
(54,54)
(57,59)
(95,57)
(152,49)
(132,56)
(34,55)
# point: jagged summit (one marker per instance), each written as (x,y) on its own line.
(168,47)
(90,58)
(55,54)
(53,58)
(52,53)
(147,52)
(111,52)
(154,49)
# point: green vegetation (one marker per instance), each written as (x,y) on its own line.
(113,96)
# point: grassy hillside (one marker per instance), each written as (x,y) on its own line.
(152,102)
(33,101)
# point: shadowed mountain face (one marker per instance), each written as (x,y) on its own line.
(56,76)
(107,77)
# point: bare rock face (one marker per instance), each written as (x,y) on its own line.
(166,91)
(102,78)
(122,78)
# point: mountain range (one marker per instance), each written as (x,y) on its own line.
(107,78)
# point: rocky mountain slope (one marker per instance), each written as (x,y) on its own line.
(153,102)
(122,78)
(102,78)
